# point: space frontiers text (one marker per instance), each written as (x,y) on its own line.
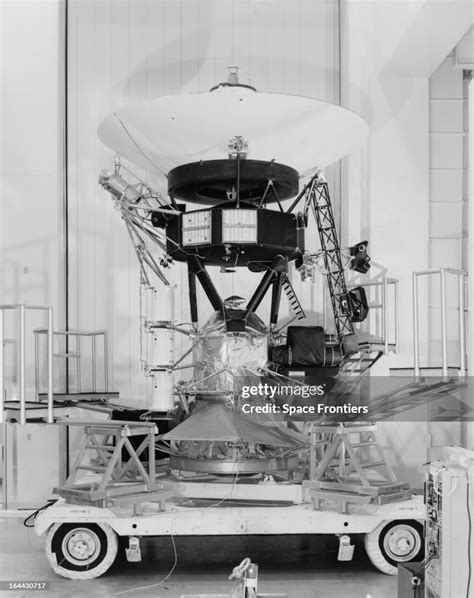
(290,392)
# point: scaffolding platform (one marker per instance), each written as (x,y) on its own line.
(116,475)
(348,466)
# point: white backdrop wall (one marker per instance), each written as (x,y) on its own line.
(448,200)
(390,49)
(123,50)
(31,166)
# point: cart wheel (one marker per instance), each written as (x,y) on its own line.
(395,542)
(81,550)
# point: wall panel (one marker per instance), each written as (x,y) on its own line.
(447,205)
(122,50)
(31,71)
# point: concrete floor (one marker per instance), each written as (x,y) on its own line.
(301,566)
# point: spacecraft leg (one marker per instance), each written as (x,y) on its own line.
(278,266)
(276,298)
(197,269)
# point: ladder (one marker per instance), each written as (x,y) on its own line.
(292,298)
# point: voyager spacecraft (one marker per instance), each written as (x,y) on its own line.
(243,175)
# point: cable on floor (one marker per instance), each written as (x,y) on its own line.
(154,585)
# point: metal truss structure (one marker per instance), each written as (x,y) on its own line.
(340,298)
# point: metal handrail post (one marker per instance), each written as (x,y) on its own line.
(50,366)
(106,361)
(462,328)
(37,366)
(444,334)
(384,314)
(416,346)
(2,371)
(78,364)
(21,313)
(397,317)
(93,341)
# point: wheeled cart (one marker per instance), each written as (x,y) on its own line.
(82,541)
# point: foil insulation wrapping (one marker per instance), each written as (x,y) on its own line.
(226,361)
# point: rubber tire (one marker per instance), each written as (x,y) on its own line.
(61,566)
(374,545)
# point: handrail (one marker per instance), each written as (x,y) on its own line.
(20,309)
(461,275)
(384,284)
(73,332)
(78,334)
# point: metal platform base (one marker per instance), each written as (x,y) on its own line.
(265,595)
(126,494)
(351,468)
(343,498)
(224,466)
(228,520)
(76,397)
(35,412)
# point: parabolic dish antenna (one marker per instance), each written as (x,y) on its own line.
(302,133)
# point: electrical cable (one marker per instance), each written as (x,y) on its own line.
(221,502)
(444,494)
(164,580)
(168,575)
(138,147)
(422,569)
(34,515)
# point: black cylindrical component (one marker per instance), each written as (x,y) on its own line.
(193,297)
(276,296)
(209,181)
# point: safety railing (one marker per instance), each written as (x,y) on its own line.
(77,355)
(386,301)
(461,276)
(20,312)
(383,298)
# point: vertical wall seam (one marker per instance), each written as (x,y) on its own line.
(65,202)
(65,208)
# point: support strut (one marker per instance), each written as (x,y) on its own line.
(278,266)
(276,297)
(197,268)
(193,297)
